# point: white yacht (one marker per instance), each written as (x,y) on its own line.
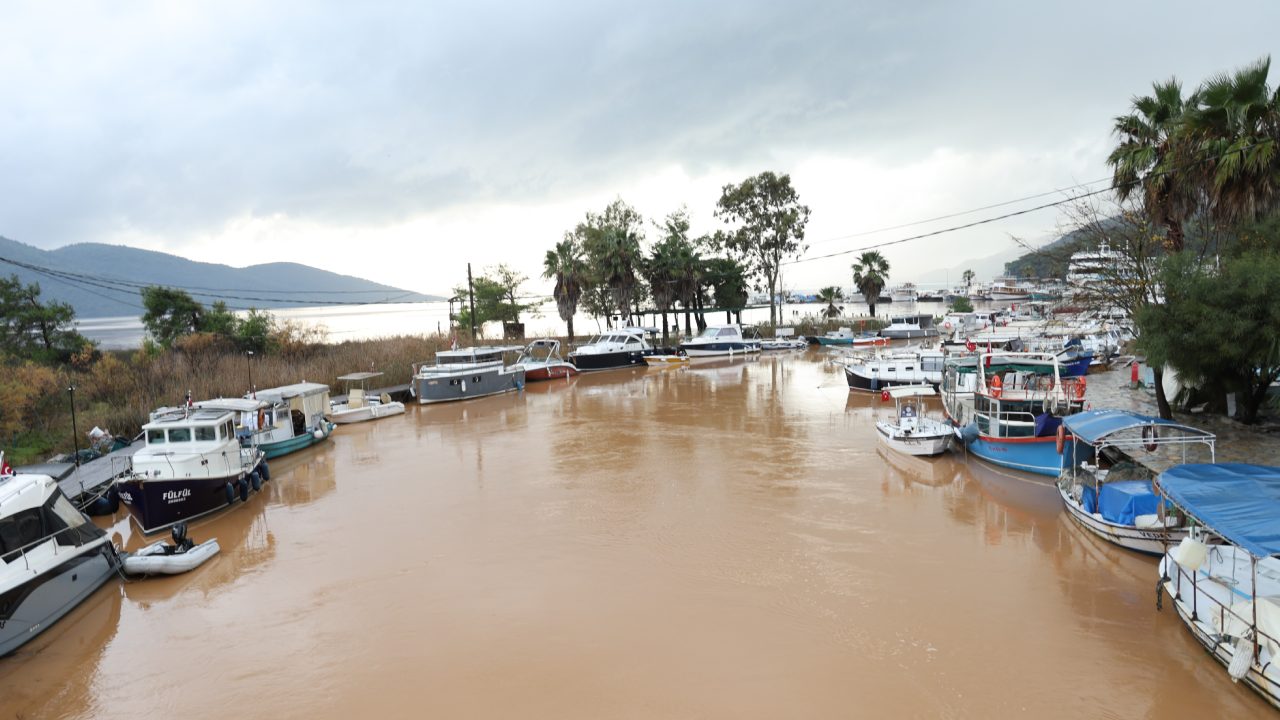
(51,557)
(904,293)
(720,340)
(906,327)
(624,347)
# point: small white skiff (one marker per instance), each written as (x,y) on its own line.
(360,407)
(910,432)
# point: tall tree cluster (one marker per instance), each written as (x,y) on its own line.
(1209,159)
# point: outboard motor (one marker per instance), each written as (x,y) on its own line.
(181,543)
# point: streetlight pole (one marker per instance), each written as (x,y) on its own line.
(75,433)
(248,355)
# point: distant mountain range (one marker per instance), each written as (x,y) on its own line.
(102,280)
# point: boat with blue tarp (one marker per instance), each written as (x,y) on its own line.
(1109,460)
(1224,577)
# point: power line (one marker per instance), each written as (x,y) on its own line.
(961,213)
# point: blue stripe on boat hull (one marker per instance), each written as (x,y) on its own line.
(1040,456)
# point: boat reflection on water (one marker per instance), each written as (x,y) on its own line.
(1013,504)
(62,660)
(308,477)
(931,472)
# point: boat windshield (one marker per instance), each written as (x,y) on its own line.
(57,517)
(710,332)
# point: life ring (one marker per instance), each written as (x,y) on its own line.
(997,386)
(884,396)
(1149,438)
(946,325)
(262,418)
(1062,438)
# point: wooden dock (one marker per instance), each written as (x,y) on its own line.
(84,483)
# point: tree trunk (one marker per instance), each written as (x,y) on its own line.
(872,305)
(665,337)
(688,328)
(570,321)
(701,315)
(1162,402)
(773,297)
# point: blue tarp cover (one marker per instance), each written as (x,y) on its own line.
(1121,502)
(1239,502)
(1093,425)
(1047,425)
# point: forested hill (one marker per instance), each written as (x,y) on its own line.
(100,280)
(1051,260)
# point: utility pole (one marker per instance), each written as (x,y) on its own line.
(248,357)
(471,294)
(75,434)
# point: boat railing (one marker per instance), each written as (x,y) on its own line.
(1217,607)
(25,549)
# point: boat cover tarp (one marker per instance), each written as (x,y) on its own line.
(1121,502)
(1238,501)
(1047,424)
(1093,425)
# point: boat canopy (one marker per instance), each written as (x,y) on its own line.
(358,376)
(233,404)
(906,391)
(1092,426)
(1238,501)
(285,392)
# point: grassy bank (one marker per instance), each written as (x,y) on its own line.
(117,390)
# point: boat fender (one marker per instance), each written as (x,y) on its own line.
(1149,437)
(256,480)
(244,490)
(231,494)
(318,434)
(1062,438)
(264,470)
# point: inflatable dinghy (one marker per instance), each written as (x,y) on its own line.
(164,559)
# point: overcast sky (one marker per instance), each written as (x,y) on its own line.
(398,141)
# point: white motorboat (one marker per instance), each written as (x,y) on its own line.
(1109,460)
(904,293)
(911,432)
(907,327)
(541,361)
(720,340)
(51,557)
(359,406)
(877,372)
(1226,594)
(624,347)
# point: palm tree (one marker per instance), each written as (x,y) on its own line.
(870,275)
(968,276)
(660,270)
(831,295)
(1152,150)
(1234,121)
(688,270)
(565,264)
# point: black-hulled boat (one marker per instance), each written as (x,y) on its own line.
(53,557)
(193,464)
(624,347)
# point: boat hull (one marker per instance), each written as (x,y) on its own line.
(1186,599)
(736,347)
(295,443)
(158,503)
(908,334)
(860,382)
(593,362)
(32,607)
(921,445)
(366,413)
(478,383)
(1151,541)
(552,371)
(1033,455)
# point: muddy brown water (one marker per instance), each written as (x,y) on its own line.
(724,540)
